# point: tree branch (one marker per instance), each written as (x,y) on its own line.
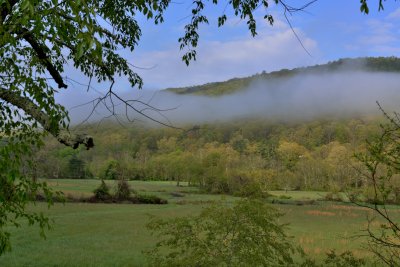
(6,9)
(41,53)
(63,135)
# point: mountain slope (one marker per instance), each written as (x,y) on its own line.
(372,64)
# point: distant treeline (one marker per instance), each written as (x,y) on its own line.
(368,64)
(242,157)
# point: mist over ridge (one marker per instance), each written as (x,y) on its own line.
(346,89)
(299,97)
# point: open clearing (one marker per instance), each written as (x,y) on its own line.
(86,234)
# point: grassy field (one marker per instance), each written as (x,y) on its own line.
(86,234)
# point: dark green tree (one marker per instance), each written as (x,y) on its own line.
(112,170)
(102,192)
(123,190)
(77,168)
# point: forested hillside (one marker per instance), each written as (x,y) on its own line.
(243,156)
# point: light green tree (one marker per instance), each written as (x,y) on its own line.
(381,180)
(246,234)
(290,153)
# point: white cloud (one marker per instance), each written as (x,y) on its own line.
(394,15)
(379,36)
(272,49)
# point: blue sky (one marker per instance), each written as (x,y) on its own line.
(329,30)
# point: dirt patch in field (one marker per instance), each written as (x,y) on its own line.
(320,213)
(347,208)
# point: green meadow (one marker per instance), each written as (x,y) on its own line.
(85,234)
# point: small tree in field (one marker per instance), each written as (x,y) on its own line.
(247,234)
(102,192)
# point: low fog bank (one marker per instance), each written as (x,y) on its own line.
(302,97)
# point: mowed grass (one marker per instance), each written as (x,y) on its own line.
(86,234)
(90,235)
(299,195)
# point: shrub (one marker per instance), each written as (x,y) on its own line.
(345,259)
(102,192)
(251,189)
(112,170)
(123,190)
(150,199)
(333,196)
(177,194)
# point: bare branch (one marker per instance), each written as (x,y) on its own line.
(288,9)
